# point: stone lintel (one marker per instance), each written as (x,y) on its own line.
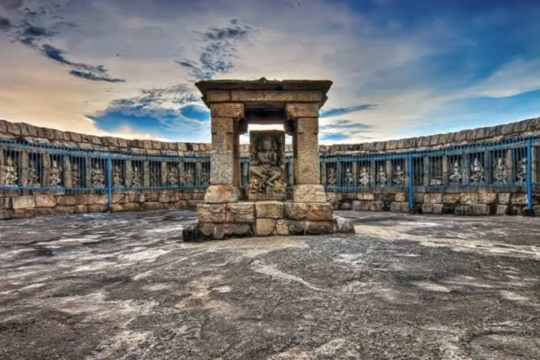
(233,110)
(302,110)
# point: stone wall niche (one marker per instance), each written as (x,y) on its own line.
(264,209)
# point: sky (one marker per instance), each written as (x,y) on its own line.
(400,68)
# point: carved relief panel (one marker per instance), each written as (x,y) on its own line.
(267,167)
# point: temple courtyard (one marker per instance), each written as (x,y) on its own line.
(125,286)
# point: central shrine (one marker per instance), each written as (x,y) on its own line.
(265,207)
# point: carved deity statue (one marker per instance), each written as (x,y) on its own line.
(205,176)
(75,175)
(136,179)
(397,175)
(117,177)
(477,171)
(33,178)
(55,174)
(521,171)
(267,171)
(349,178)
(455,174)
(500,171)
(381,176)
(331,176)
(363,178)
(189,176)
(97,177)
(11,172)
(172,174)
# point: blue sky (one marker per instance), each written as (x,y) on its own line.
(400,68)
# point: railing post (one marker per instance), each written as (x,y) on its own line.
(410,182)
(109,183)
(530,201)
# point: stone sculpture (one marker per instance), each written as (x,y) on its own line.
(455,175)
(97,177)
(136,180)
(205,176)
(521,171)
(381,176)
(33,178)
(189,176)
(117,176)
(172,174)
(397,178)
(11,172)
(331,177)
(267,167)
(364,176)
(75,175)
(55,174)
(349,178)
(500,171)
(477,171)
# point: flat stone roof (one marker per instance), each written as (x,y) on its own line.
(264,84)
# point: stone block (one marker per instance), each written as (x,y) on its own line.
(480,209)
(23,202)
(94,199)
(217,96)
(265,227)
(296,227)
(469,198)
(211,213)
(309,193)
(241,212)
(400,196)
(399,206)
(269,209)
(238,230)
(152,205)
(463,210)
(366,196)
(277,96)
(231,110)
(45,200)
(451,198)
(501,210)
(503,198)
(282,227)
(485,197)
(519,199)
(343,225)
(433,198)
(166,196)
(212,231)
(219,194)
(319,227)
(96,208)
(298,110)
(376,206)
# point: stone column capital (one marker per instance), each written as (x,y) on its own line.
(300,110)
(230,110)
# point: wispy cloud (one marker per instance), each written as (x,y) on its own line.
(346,110)
(218,52)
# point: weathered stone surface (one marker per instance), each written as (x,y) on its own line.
(463,210)
(433,198)
(519,199)
(282,227)
(218,194)
(451,198)
(23,202)
(212,213)
(480,209)
(45,200)
(366,196)
(503,198)
(232,110)
(242,212)
(307,162)
(265,227)
(485,197)
(343,225)
(269,209)
(309,193)
(276,96)
(212,231)
(469,198)
(400,196)
(300,110)
(319,227)
(399,206)
(501,210)
(308,211)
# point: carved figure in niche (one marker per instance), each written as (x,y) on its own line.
(500,171)
(11,172)
(477,171)
(455,175)
(397,178)
(172,174)
(136,180)
(349,178)
(117,177)
(33,173)
(55,174)
(521,173)
(331,177)
(189,176)
(267,175)
(75,175)
(205,176)
(381,176)
(364,176)
(97,177)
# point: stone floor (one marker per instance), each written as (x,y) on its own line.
(124,286)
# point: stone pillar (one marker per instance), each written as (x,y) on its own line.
(2,166)
(445,170)
(427,171)
(164,173)
(307,169)
(510,168)
(24,163)
(225,156)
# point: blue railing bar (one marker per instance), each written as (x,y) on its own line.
(109,183)
(530,200)
(410,183)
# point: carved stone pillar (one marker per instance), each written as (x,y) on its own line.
(225,156)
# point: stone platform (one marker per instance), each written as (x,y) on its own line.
(264,218)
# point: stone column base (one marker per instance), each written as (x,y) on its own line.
(265,218)
(309,193)
(220,194)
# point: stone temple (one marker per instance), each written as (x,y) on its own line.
(267,206)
